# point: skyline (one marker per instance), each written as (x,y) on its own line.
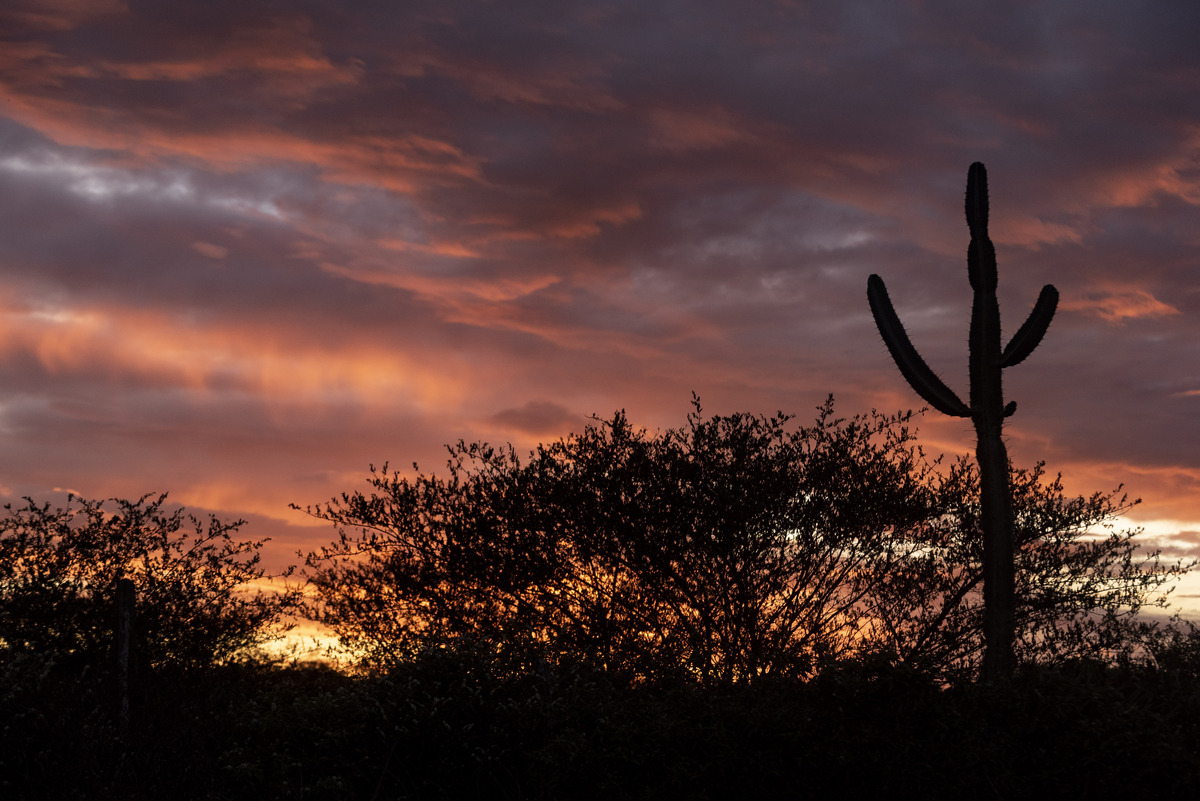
(249,251)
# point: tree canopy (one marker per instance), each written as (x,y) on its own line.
(59,569)
(732,548)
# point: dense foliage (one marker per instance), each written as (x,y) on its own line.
(459,722)
(59,569)
(729,550)
(1081,583)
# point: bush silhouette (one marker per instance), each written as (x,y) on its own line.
(732,549)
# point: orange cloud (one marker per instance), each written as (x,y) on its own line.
(58,15)
(1174,176)
(1169,492)
(443,290)
(158,347)
(1141,188)
(566,83)
(561,222)
(403,164)
(1118,304)
(284,55)
(449,249)
(590,226)
(1032,232)
(679,130)
(282,61)
(487,303)
(248,498)
(48,92)
(210,250)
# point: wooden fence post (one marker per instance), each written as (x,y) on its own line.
(125,606)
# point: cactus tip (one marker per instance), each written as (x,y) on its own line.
(977,200)
(1032,330)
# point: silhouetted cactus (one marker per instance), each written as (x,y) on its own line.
(986,410)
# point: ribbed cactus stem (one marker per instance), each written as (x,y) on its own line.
(987,410)
(987,413)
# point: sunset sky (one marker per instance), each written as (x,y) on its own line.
(250,248)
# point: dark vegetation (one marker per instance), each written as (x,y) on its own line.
(737,608)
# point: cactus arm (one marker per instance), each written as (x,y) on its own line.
(912,366)
(1032,330)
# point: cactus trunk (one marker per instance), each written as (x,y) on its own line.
(987,411)
(999,577)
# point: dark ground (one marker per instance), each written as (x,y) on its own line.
(449,728)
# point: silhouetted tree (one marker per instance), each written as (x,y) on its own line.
(59,569)
(732,548)
(737,546)
(1080,582)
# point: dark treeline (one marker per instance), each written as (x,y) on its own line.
(455,725)
(731,549)
(740,605)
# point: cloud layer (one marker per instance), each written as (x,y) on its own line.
(247,253)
